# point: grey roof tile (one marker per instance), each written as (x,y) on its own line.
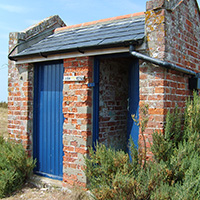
(99,35)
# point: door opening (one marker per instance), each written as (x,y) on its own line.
(118,87)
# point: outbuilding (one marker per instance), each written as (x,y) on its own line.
(70,86)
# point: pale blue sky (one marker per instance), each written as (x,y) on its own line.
(17,15)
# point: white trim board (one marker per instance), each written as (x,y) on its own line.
(98,52)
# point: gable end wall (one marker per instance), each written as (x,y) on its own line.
(173,36)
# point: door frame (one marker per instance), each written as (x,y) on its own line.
(135,67)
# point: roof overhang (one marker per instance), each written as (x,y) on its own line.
(65,55)
(83,51)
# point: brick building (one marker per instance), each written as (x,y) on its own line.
(71,86)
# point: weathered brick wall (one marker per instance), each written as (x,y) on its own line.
(77,128)
(182,46)
(152,93)
(155,32)
(173,31)
(20,104)
(152,78)
(113,102)
(20,99)
(173,36)
(162,91)
(182,34)
(21,80)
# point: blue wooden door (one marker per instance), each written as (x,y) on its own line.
(48,119)
(133,101)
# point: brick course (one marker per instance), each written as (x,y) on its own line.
(113,102)
(21,82)
(173,34)
(182,35)
(20,100)
(77,110)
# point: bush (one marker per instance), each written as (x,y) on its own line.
(15,166)
(3,105)
(106,170)
(173,173)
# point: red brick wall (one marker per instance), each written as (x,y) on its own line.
(77,128)
(113,102)
(21,80)
(173,36)
(182,47)
(20,104)
(20,100)
(152,93)
(182,35)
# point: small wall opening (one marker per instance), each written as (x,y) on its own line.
(114,101)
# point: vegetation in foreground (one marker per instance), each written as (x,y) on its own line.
(3,104)
(3,120)
(15,166)
(20,190)
(173,173)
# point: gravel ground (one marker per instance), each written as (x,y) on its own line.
(31,192)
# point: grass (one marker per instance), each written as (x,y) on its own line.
(3,122)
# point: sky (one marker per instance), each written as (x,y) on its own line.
(17,15)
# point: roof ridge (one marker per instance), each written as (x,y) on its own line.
(61,29)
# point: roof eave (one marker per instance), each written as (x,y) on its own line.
(80,49)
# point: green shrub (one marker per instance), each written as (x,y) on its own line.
(3,105)
(173,173)
(108,170)
(15,166)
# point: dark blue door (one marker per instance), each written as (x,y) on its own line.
(48,119)
(133,101)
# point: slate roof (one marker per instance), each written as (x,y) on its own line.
(114,33)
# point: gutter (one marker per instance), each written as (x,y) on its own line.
(81,50)
(165,64)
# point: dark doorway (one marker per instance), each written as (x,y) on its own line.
(118,101)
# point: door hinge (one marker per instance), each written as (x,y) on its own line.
(91,84)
